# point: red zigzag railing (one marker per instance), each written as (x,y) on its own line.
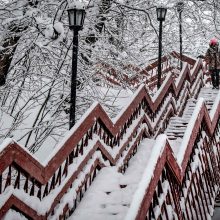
(184,187)
(147,75)
(95,141)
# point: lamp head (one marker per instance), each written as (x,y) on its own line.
(161,13)
(179,6)
(76,14)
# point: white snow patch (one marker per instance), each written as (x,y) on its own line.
(189,131)
(13,215)
(59,28)
(147,176)
(5,143)
(76,4)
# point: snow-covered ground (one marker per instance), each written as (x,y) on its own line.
(112,100)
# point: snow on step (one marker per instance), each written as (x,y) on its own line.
(12,215)
(110,195)
(177,125)
(209,95)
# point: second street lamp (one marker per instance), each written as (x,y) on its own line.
(179,7)
(76,20)
(161,14)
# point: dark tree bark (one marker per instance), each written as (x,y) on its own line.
(6,57)
(10,45)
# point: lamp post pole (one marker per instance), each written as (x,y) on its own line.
(159,56)
(180,6)
(181,43)
(76,20)
(161,14)
(73,79)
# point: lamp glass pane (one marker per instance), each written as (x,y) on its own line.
(83,18)
(71,17)
(163,13)
(79,16)
(158,13)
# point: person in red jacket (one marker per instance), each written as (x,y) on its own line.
(212,59)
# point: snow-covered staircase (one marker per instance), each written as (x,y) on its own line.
(113,195)
(162,187)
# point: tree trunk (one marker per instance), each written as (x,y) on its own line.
(6,57)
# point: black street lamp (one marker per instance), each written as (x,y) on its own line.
(179,7)
(76,21)
(161,14)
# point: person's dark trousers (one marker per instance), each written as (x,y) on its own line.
(215,78)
